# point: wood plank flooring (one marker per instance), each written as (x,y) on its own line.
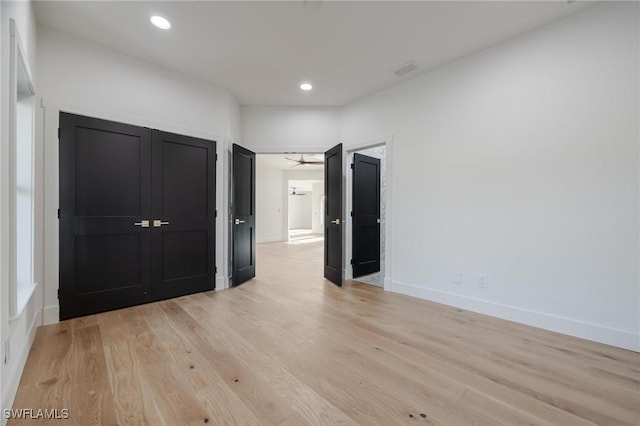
(289,348)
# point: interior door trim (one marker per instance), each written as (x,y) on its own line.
(350,147)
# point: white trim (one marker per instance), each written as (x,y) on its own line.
(13,29)
(222,282)
(271,240)
(50,314)
(14,375)
(16,57)
(23,300)
(570,326)
(349,149)
(288,150)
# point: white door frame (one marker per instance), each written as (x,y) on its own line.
(349,150)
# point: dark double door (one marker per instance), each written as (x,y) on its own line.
(137,215)
(243,196)
(365,215)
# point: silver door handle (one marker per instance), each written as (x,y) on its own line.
(238,221)
(158,223)
(336,222)
(143,224)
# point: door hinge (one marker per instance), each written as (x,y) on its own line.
(58,133)
(351,262)
(215,214)
(352,165)
(58,213)
(58,294)
(215,269)
(216,157)
(352,214)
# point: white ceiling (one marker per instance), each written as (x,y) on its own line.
(262,50)
(279,161)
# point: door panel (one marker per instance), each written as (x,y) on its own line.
(333,220)
(183,215)
(119,187)
(106,262)
(366,215)
(243,217)
(185,172)
(105,188)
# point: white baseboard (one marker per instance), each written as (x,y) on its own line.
(388,284)
(222,282)
(50,314)
(585,330)
(271,240)
(19,361)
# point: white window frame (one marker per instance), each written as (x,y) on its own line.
(21,89)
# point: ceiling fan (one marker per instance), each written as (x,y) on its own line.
(303,162)
(293,192)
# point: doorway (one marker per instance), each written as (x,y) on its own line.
(289,203)
(305,218)
(289,197)
(359,268)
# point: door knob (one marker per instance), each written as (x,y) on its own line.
(238,221)
(158,223)
(142,224)
(336,222)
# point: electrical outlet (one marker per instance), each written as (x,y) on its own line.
(457,278)
(482,281)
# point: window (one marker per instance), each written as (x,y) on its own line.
(21,143)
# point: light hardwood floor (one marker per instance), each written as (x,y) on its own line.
(289,348)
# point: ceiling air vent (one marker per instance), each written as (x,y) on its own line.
(406,68)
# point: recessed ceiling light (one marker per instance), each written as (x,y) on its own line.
(306,86)
(160,22)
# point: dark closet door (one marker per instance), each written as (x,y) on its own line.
(105,205)
(137,215)
(333,215)
(366,215)
(243,218)
(183,215)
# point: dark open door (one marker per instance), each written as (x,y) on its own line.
(366,215)
(105,205)
(333,214)
(243,218)
(183,215)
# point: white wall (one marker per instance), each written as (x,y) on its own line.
(85,78)
(300,210)
(282,129)
(19,331)
(269,203)
(522,163)
(317,192)
(293,174)
(3,193)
